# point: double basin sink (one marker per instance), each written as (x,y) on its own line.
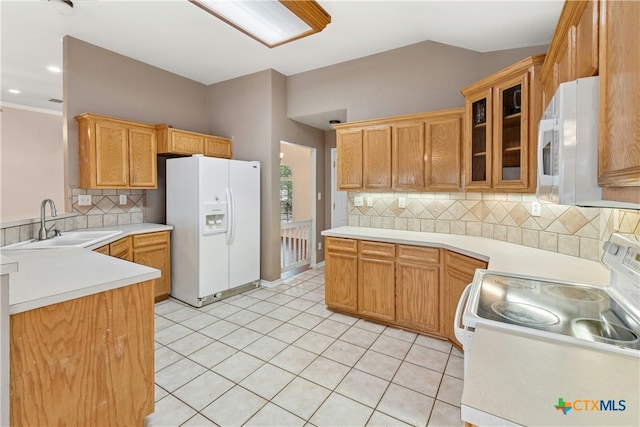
(71,239)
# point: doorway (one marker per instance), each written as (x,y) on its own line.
(297,206)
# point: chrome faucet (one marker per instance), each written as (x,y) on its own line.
(43,233)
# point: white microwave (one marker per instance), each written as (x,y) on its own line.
(568,147)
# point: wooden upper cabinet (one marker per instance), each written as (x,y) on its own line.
(502,113)
(417,152)
(349,149)
(185,143)
(116,153)
(443,151)
(408,161)
(376,150)
(619,119)
(573,52)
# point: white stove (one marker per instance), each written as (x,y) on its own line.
(603,317)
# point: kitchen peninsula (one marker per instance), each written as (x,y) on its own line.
(81,338)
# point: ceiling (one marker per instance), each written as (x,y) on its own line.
(179,37)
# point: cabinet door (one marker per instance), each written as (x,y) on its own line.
(478,136)
(563,65)
(418,296)
(156,257)
(349,157)
(408,156)
(121,249)
(341,274)
(142,158)
(377,157)
(443,157)
(217,147)
(112,155)
(376,280)
(458,273)
(585,41)
(511,142)
(619,124)
(153,250)
(186,142)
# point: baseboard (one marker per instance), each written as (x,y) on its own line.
(318,265)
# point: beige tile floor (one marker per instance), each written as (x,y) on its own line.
(278,357)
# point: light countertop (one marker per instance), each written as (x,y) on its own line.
(531,373)
(501,256)
(41,277)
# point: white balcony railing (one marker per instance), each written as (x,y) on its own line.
(295,241)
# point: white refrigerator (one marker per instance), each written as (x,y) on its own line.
(214,206)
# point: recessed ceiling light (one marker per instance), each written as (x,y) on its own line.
(54,69)
(14,91)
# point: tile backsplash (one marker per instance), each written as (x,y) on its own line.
(570,230)
(105,210)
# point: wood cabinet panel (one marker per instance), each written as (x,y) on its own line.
(103,250)
(341,274)
(418,254)
(186,143)
(112,161)
(443,157)
(458,273)
(418,296)
(116,153)
(376,280)
(153,250)
(585,44)
(349,149)
(408,156)
(142,158)
(376,152)
(619,116)
(88,361)
(121,249)
(217,147)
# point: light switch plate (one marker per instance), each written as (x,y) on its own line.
(369,201)
(84,200)
(402,202)
(358,201)
(123,199)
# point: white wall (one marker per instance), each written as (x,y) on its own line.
(32,162)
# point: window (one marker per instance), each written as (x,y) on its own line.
(286,193)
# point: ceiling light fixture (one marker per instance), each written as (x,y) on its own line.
(272,22)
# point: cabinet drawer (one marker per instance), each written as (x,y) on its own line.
(186,143)
(463,263)
(377,249)
(418,254)
(150,239)
(336,244)
(217,147)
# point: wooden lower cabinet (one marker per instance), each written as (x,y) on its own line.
(376,280)
(150,249)
(412,287)
(153,250)
(418,288)
(458,273)
(88,361)
(341,270)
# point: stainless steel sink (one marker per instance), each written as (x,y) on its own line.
(71,239)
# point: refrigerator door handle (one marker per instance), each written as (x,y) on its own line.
(230,216)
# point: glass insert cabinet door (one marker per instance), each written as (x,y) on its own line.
(510,134)
(480,131)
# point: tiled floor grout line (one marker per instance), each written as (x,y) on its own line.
(313,288)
